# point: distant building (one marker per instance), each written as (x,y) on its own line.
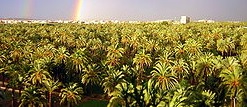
(159,21)
(184,19)
(206,21)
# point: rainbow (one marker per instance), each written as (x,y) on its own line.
(78,9)
(27,8)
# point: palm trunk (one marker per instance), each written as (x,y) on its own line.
(126,101)
(3,79)
(139,77)
(13,97)
(49,102)
(234,102)
(68,104)
(19,91)
(234,97)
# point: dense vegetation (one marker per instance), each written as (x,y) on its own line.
(140,65)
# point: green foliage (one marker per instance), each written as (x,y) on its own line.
(72,94)
(32,96)
(142,64)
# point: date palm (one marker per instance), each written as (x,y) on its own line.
(122,95)
(114,54)
(141,60)
(95,46)
(45,52)
(114,51)
(71,94)
(205,98)
(2,65)
(152,46)
(50,86)
(166,58)
(113,78)
(91,75)
(163,76)
(243,59)
(222,46)
(49,50)
(176,99)
(2,58)
(180,68)
(193,47)
(243,41)
(230,63)
(31,97)
(205,66)
(233,79)
(80,42)
(78,60)
(153,95)
(62,55)
(225,46)
(134,42)
(38,74)
(180,51)
(16,55)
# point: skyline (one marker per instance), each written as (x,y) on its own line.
(124,10)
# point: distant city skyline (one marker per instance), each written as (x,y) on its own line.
(124,10)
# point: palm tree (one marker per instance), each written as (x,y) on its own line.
(91,75)
(2,66)
(32,97)
(243,42)
(233,79)
(16,55)
(205,98)
(152,46)
(113,78)
(114,54)
(49,50)
(71,94)
(134,43)
(180,51)
(80,42)
(122,95)
(222,46)
(225,46)
(141,60)
(243,59)
(114,51)
(163,77)
(205,66)
(180,68)
(2,58)
(95,46)
(176,99)
(153,95)
(192,47)
(50,86)
(166,58)
(37,74)
(230,63)
(78,60)
(62,55)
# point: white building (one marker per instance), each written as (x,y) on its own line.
(206,21)
(184,19)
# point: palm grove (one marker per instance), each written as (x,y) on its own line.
(140,65)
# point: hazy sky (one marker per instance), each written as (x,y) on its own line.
(223,10)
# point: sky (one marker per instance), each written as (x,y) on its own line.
(124,10)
